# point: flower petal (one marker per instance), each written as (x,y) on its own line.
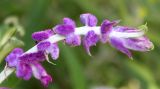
(23,70)
(32,57)
(88,19)
(17,51)
(69,21)
(106,28)
(73,40)
(42,46)
(89,40)
(54,51)
(12,58)
(40,73)
(45,80)
(139,44)
(118,44)
(42,35)
(64,29)
(49,48)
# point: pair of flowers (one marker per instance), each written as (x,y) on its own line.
(121,37)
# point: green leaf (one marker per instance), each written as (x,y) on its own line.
(10,45)
(7,36)
(75,68)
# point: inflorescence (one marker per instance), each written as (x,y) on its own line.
(120,37)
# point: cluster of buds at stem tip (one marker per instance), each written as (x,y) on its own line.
(122,38)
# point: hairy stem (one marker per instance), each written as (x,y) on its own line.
(78,31)
(5,73)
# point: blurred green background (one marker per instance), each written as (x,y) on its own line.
(107,68)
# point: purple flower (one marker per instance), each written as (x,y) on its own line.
(12,58)
(64,29)
(73,40)
(125,38)
(69,21)
(88,19)
(42,46)
(45,47)
(67,29)
(28,64)
(42,35)
(106,28)
(137,44)
(30,57)
(40,73)
(49,48)
(23,70)
(90,40)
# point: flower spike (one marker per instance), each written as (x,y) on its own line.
(123,38)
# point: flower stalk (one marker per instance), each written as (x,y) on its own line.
(6,73)
(120,37)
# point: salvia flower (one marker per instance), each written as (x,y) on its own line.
(123,38)
(42,35)
(91,38)
(67,28)
(49,48)
(88,19)
(106,27)
(46,47)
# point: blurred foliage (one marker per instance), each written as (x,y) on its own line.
(107,67)
(8,32)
